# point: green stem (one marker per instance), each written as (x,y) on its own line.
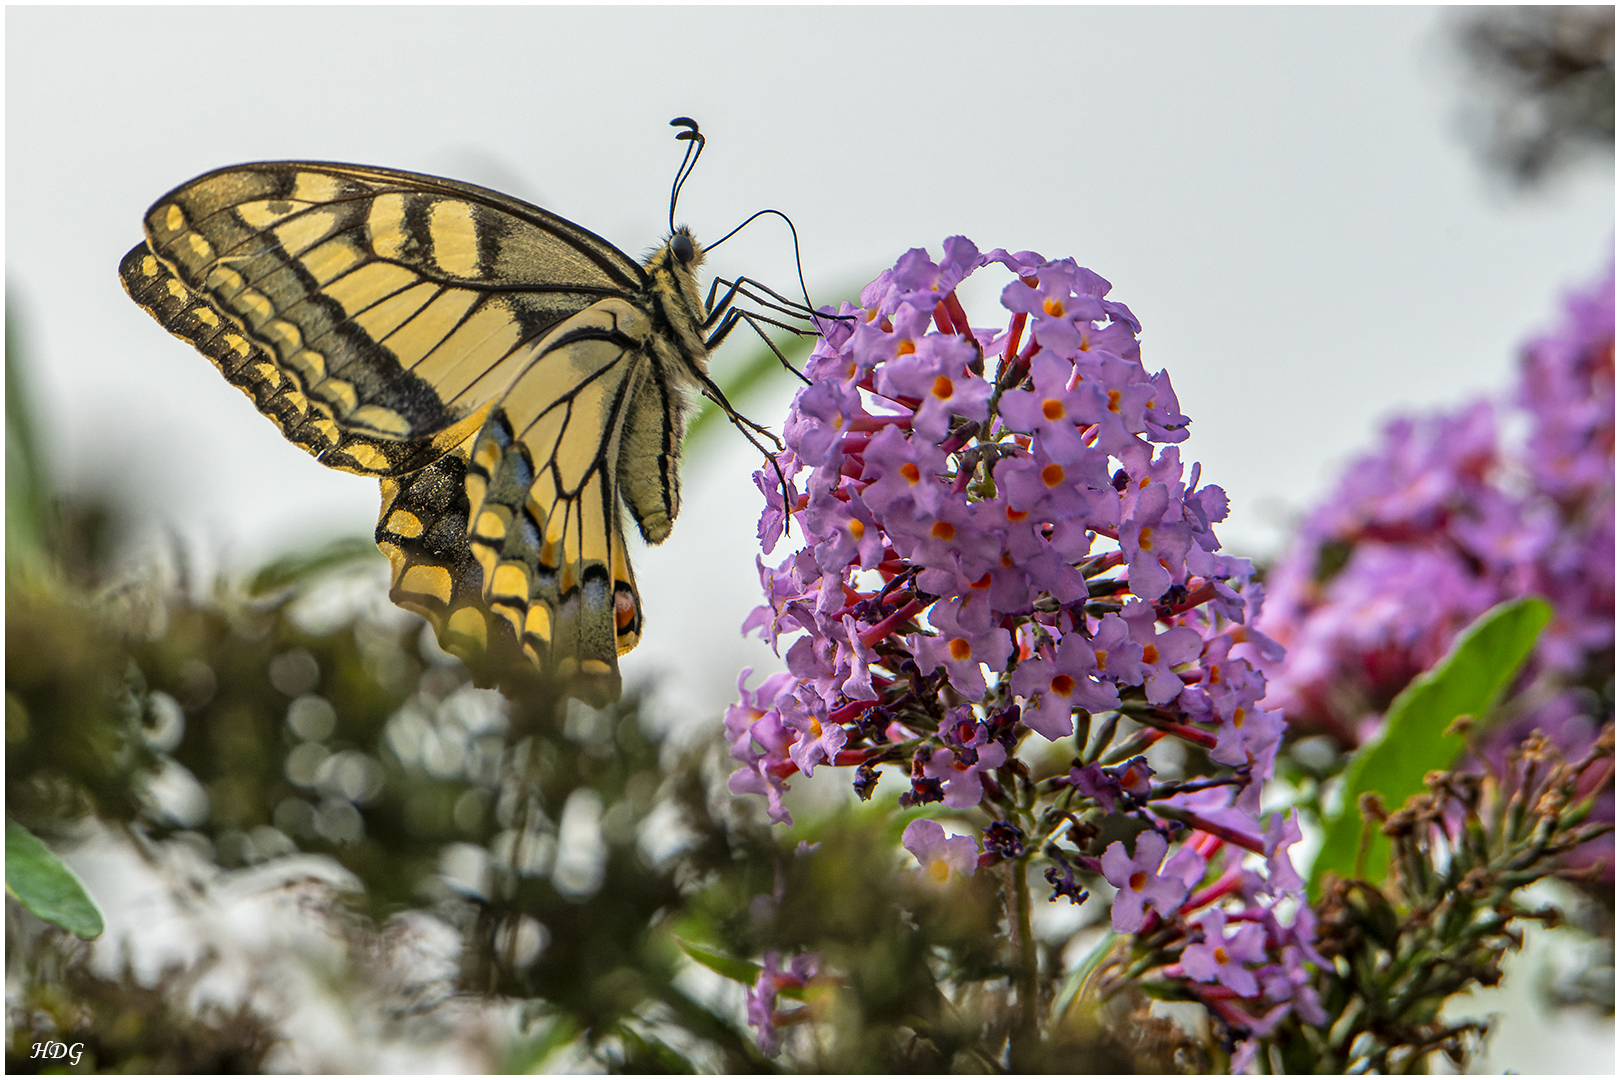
(1027,1032)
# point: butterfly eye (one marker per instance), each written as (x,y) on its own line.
(681,245)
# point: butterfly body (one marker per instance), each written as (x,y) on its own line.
(511,378)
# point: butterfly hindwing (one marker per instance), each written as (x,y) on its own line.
(585,424)
(512,379)
(423,530)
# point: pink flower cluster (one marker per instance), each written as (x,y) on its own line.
(1001,540)
(1448,518)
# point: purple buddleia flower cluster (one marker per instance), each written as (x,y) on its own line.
(1448,518)
(1213,903)
(1005,565)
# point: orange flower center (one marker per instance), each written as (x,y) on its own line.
(1052,475)
(1052,409)
(943,388)
(1144,539)
(960,649)
(905,348)
(1150,654)
(1062,685)
(856,528)
(1113,401)
(1138,881)
(1222,956)
(943,530)
(1053,307)
(911,473)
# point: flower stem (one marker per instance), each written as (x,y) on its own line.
(1026,1033)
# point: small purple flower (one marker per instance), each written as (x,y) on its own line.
(961,650)
(761,999)
(1052,411)
(956,536)
(939,854)
(845,531)
(1186,865)
(903,474)
(824,414)
(1247,734)
(756,779)
(1002,840)
(1097,785)
(1245,1056)
(1221,959)
(817,741)
(1118,657)
(936,375)
(1053,491)
(1055,688)
(962,782)
(773,519)
(1154,547)
(1282,831)
(756,721)
(1063,298)
(1134,777)
(1289,982)
(1064,884)
(1140,882)
(1128,392)
(1162,415)
(1021,263)
(1161,652)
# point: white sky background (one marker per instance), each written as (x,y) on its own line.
(1278,193)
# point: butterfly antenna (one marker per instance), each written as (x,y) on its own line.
(694,149)
(797,262)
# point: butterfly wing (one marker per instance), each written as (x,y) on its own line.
(401,325)
(594,417)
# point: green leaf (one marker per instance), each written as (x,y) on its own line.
(531,1055)
(44,886)
(303,566)
(28,483)
(742,971)
(1466,682)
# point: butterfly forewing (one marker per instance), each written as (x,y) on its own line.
(510,377)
